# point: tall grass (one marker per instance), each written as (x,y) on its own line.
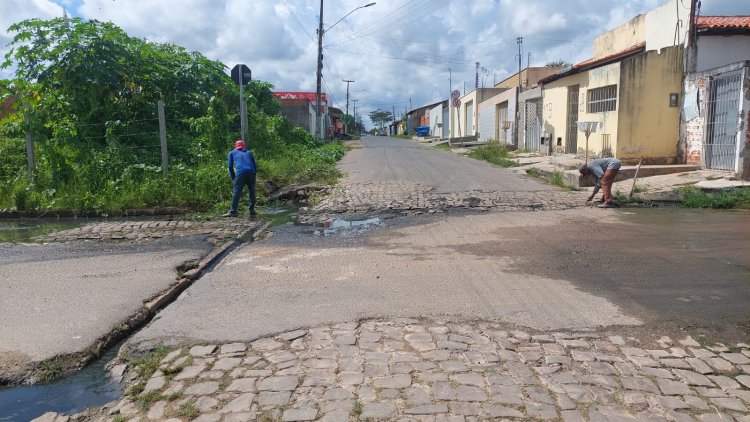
(494,153)
(696,198)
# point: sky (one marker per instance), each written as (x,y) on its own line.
(400,54)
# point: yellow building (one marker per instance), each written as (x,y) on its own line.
(631,87)
(633,94)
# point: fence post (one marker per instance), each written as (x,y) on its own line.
(163,136)
(29,145)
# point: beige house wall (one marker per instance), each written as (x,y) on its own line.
(648,126)
(555,100)
(621,38)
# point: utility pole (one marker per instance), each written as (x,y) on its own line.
(692,42)
(519,40)
(347,95)
(355,113)
(476,83)
(319,114)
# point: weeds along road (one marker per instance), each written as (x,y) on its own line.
(665,271)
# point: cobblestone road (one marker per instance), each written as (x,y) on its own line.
(405,195)
(430,370)
(218,230)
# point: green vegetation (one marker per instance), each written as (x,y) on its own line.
(444,147)
(695,198)
(50,371)
(494,153)
(90,91)
(401,136)
(188,410)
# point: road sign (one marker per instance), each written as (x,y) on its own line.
(456,94)
(244,72)
(456,102)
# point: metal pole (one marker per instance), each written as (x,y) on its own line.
(319,73)
(520,41)
(347,95)
(243,111)
(163,137)
(29,145)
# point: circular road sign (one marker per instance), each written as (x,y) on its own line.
(456,94)
(456,102)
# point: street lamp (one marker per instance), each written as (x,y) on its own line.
(320,60)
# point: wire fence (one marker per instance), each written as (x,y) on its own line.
(124,142)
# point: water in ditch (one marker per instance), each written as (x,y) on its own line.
(87,388)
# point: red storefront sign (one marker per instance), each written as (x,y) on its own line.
(309,96)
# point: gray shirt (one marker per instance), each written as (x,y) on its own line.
(599,166)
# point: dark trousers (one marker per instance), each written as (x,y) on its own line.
(239,183)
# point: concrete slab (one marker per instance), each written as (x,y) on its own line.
(58,299)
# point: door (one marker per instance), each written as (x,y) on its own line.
(722,123)
(572,132)
(446,121)
(532,130)
(469,123)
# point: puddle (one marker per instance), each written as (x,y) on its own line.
(90,387)
(16,231)
(332,227)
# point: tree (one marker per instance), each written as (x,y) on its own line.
(381,117)
(558,63)
(348,120)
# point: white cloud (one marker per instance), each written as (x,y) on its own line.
(395,50)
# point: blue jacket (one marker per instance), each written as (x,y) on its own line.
(243,159)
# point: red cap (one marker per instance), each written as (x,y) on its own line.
(240,144)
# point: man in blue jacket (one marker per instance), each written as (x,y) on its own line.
(242,170)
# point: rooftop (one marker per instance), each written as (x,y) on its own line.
(708,23)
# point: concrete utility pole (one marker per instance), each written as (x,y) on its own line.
(319,114)
(347,95)
(519,40)
(476,83)
(355,113)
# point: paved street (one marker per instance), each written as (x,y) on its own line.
(538,310)
(568,313)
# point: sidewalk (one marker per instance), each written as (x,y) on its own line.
(705,179)
(431,370)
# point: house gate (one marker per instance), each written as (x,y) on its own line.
(722,127)
(572,132)
(532,125)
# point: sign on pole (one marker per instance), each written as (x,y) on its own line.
(241,75)
(456,102)
(456,94)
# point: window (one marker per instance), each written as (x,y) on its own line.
(603,99)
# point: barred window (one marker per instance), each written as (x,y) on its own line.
(603,99)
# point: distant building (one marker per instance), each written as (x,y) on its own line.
(299,109)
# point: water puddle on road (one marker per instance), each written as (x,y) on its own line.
(90,387)
(338,224)
(17,231)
